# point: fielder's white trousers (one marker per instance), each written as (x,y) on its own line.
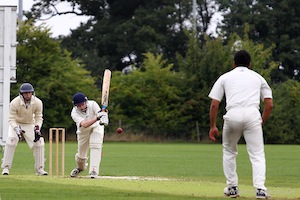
(246,121)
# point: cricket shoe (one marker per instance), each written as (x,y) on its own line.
(5,171)
(93,174)
(75,172)
(232,192)
(262,194)
(41,172)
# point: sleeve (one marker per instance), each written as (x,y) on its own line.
(76,117)
(96,107)
(217,91)
(38,114)
(265,91)
(13,114)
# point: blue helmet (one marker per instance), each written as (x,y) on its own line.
(79,98)
(26,87)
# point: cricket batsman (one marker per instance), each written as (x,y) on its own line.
(90,122)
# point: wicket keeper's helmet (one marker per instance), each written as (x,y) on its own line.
(26,87)
(79,98)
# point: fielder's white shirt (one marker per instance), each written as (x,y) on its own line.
(242,88)
(91,111)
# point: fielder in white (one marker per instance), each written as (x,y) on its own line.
(90,122)
(243,89)
(25,122)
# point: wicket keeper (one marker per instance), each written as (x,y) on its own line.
(25,122)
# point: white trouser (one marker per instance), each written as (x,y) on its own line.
(91,137)
(28,135)
(246,121)
(12,141)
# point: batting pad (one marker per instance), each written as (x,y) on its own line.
(95,159)
(9,152)
(96,143)
(39,153)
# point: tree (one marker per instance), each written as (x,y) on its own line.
(201,65)
(270,22)
(204,63)
(282,127)
(149,99)
(167,92)
(120,32)
(156,100)
(53,73)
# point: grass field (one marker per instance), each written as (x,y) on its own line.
(161,171)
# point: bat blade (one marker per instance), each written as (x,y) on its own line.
(105,88)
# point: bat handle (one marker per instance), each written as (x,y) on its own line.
(103,108)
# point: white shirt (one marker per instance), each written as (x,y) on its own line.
(91,111)
(19,113)
(242,88)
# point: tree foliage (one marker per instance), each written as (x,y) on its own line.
(282,127)
(270,22)
(53,73)
(204,63)
(156,100)
(149,98)
(174,64)
(120,32)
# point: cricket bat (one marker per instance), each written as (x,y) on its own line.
(105,89)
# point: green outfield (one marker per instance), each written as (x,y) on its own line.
(153,171)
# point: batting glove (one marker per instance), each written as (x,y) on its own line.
(103,117)
(19,132)
(37,133)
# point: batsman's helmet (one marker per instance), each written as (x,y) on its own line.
(79,98)
(26,87)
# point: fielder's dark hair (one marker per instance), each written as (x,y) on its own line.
(242,58)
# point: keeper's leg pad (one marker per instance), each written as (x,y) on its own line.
(96,142)
(80,162)
(9,152)
(39,153)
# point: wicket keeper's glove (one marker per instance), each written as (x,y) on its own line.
(19,132)
(37,133)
